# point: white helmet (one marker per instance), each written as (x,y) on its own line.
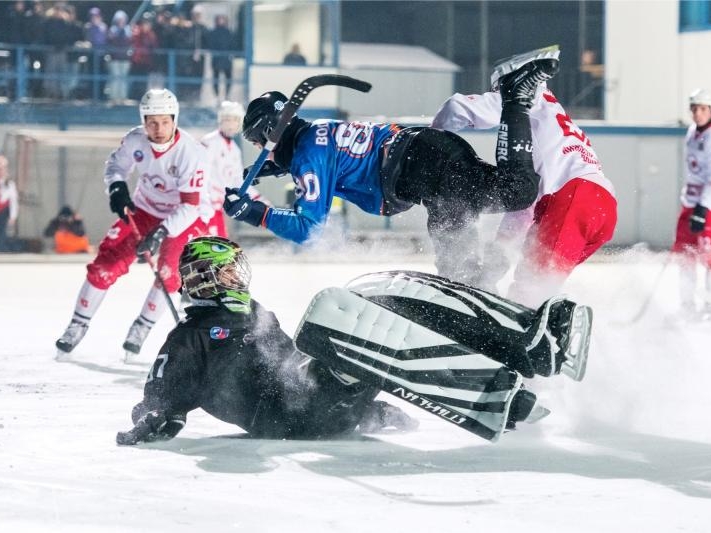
(230,117)
(159,102)
(700,97)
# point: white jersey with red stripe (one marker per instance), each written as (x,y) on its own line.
(561,150)
(697,185)
(171,184)
(225,167)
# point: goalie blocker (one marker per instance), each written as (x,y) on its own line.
(455,351)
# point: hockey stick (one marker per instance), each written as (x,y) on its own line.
(290,109)
(154,268)
(650,296)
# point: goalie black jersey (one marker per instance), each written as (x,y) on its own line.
(242,368)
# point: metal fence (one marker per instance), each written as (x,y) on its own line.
(40,73)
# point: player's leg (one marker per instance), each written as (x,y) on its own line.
(155,303)
(116,253)
(569,226)
(364,338)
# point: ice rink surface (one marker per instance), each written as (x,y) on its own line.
(628,449)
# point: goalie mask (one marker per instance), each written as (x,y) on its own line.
(262,115)
(211,267)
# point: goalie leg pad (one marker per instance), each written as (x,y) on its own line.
(373,344)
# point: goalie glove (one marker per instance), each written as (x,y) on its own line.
(152,426)
(120,199)
(697,223)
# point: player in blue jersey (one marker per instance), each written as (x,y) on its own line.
(385,169)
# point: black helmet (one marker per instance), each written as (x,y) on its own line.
(262,115)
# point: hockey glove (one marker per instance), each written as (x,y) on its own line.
(120,199)
(244,208)
(698,219)
(269,168)
(151,242)
(153,426)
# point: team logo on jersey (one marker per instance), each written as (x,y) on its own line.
(138,156)
(218,333)
(173,171)
(157,182)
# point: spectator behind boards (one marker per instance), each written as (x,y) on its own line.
(294,57)
(67,229)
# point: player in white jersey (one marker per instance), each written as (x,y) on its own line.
(168,207)
(576,210)
(225,167)
(693,229)
(9,204)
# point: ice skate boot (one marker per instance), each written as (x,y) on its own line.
(525,408)
(560,339)
(137,334)
(70,338)
(519,87)
(510,64)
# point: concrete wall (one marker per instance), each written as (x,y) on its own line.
(650,67)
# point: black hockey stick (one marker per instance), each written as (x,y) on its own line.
(149,260)
(290,109)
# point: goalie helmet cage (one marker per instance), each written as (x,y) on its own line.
(53,168)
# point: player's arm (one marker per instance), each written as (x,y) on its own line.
(118,166)
(172,389)
(698,217)
(296,224)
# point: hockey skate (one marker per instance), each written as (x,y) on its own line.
(135,337)
(520,86)
(70,338)
(561,338)
(510,64)
(525,408)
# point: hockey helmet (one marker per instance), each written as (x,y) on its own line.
(262,115)
(213,266)
(159,102)
(700,97)
(229,117)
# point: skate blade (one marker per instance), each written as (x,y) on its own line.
(576,356)
(509,64)
(537,413)
(61,356)
(130,357)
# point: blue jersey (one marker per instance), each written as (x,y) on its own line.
(332,158)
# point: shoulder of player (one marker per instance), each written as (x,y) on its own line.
(135,135)
(210,138)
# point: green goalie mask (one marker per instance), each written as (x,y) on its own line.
(213,266)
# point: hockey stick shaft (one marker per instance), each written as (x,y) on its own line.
(650,295)
(290,109)
(154,268)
